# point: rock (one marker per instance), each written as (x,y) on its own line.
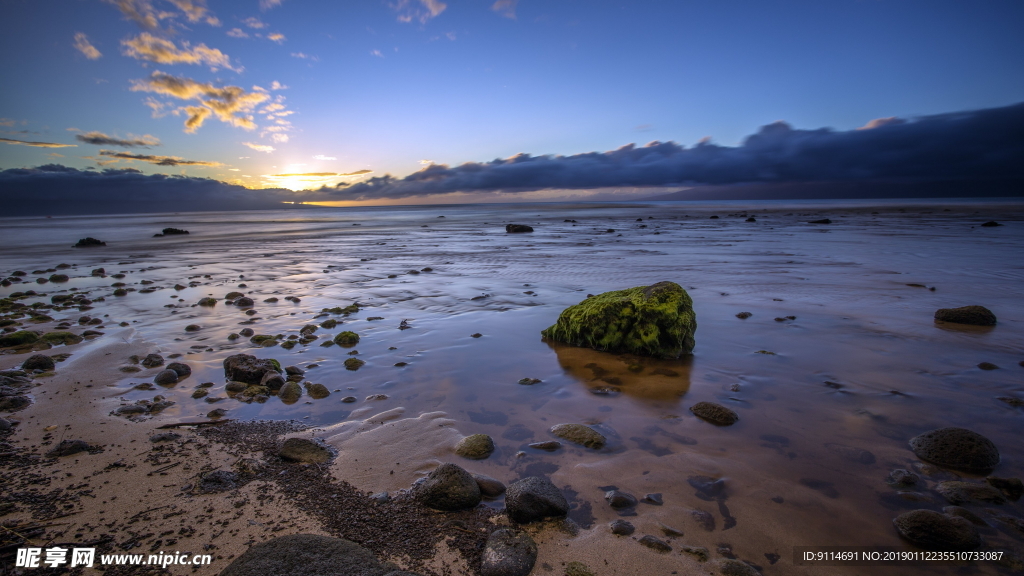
(489,487)
(216,413)
(1012,488)
(744,315)
(164,437)
(529,381)
(69,447)
(732,567)
(656,320)
(534,498)
(901,478)
(166,377)
(698,552)
(235,386)
(670,531)
(193,328)
(656,544)
(349,399)
(579,434)
(475,447)
(621,527)
(381,497)
(244,302)
(822,221)
(172,231)
(516,228)
(14,403)
(973,315)
(272,380)
(654,498)
(6,425)
(317,391)
(508,553)
(38,362)
(991,224)
(303,450)
(965,514)
(346,338)
(200,393)
(66,338)
(181,369)
(293,371)
(934,531)
(618,499)
(307,555)
(549,445)
(703,519)
(247,368)
(353,363)
(448,488)
(956,448)
(153,360)
(988,366)
(578,569)
(957,492)
(715,413)
(290,393)
(217,481)
(18,338)
(207,301)
(89,242)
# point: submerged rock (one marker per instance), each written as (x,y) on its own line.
(934,531)
(656,320)
(475,447)
(579,434)
(290,393)
(449,487)
(181,369)
(248,369)
(1012,488)
(656,544)
(317,391)
(508,553)
(18,338)
(715,413)
(956,448)
(534,498)
(957,492)
(303,450)
(153,360)
(516,228)
(618,499)
(974,315)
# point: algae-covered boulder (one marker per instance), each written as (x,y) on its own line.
(656,320)
(18,338)
(475,447)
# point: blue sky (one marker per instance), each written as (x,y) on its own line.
(379,87)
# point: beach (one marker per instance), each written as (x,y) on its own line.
(837,365)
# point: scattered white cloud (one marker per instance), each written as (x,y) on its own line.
(8,122)
(304,56)
(322,157)
(276,37)
(254,23)
(230,104)
(148,17)
(376,53)
(279,138)
(82,45)
(37,144)
(268,4)
(421,10)
(149,47)
(275,85)
(237,33)
(258,148)
(506,8)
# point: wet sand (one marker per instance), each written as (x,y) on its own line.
(860,370)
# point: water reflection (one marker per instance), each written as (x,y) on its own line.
(635,376)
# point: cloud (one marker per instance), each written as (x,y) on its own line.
(82,45)
(357,173)
(157,160)
(422,10)
(322,157)
(506,8)
(279,138)
(276,37)
(254,23)
(230,104)
(101,139)
(148,47)
(976,145)
(37,144)
(237,33)
(196,10)
(307,174)
(304,56)
(7,122)
(275,85)
(879,122)
(268,4)
(139,11)
(259,147)
(54,189)
(376,53)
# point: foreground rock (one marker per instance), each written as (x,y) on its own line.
(517,228)
(475,447)
(974,315)
(957,448)
(534,498)
(715,413)
(69,447)
(303,450)
(308,555)
(732,567)
(489,487)
(448,488)
(248,369)
(89,242)
(38,362)
(934,531)
(656,320)
(957,492)
(508,553)
(579,434)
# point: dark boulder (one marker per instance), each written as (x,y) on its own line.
(38,362)
(508,553)
(307,555)
(448,488)
(173,231)
(956,448)
(181,369)
(303,450)
(166,377)
(534,498)
(934,531)
(515,228)
(247,368)
(715,413)
(973,315)
(89,242)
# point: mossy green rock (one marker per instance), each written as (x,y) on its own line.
(475,447)
(579,434)
(290,393)
(347,338)
(656,320)
(61,338)
(18,338)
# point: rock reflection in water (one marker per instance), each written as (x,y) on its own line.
(635,376)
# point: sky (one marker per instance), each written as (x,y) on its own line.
(407,99)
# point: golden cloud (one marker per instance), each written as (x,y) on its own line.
(38,144)
(82,45)
(276,37)
(101,139)
(305,175)
(259,147)
(148,47)
(157,160)
(230,104)
(147,17)
(196,10)
(254,23)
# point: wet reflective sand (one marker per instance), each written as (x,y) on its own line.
(838,366)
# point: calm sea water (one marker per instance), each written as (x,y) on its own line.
(823,419)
